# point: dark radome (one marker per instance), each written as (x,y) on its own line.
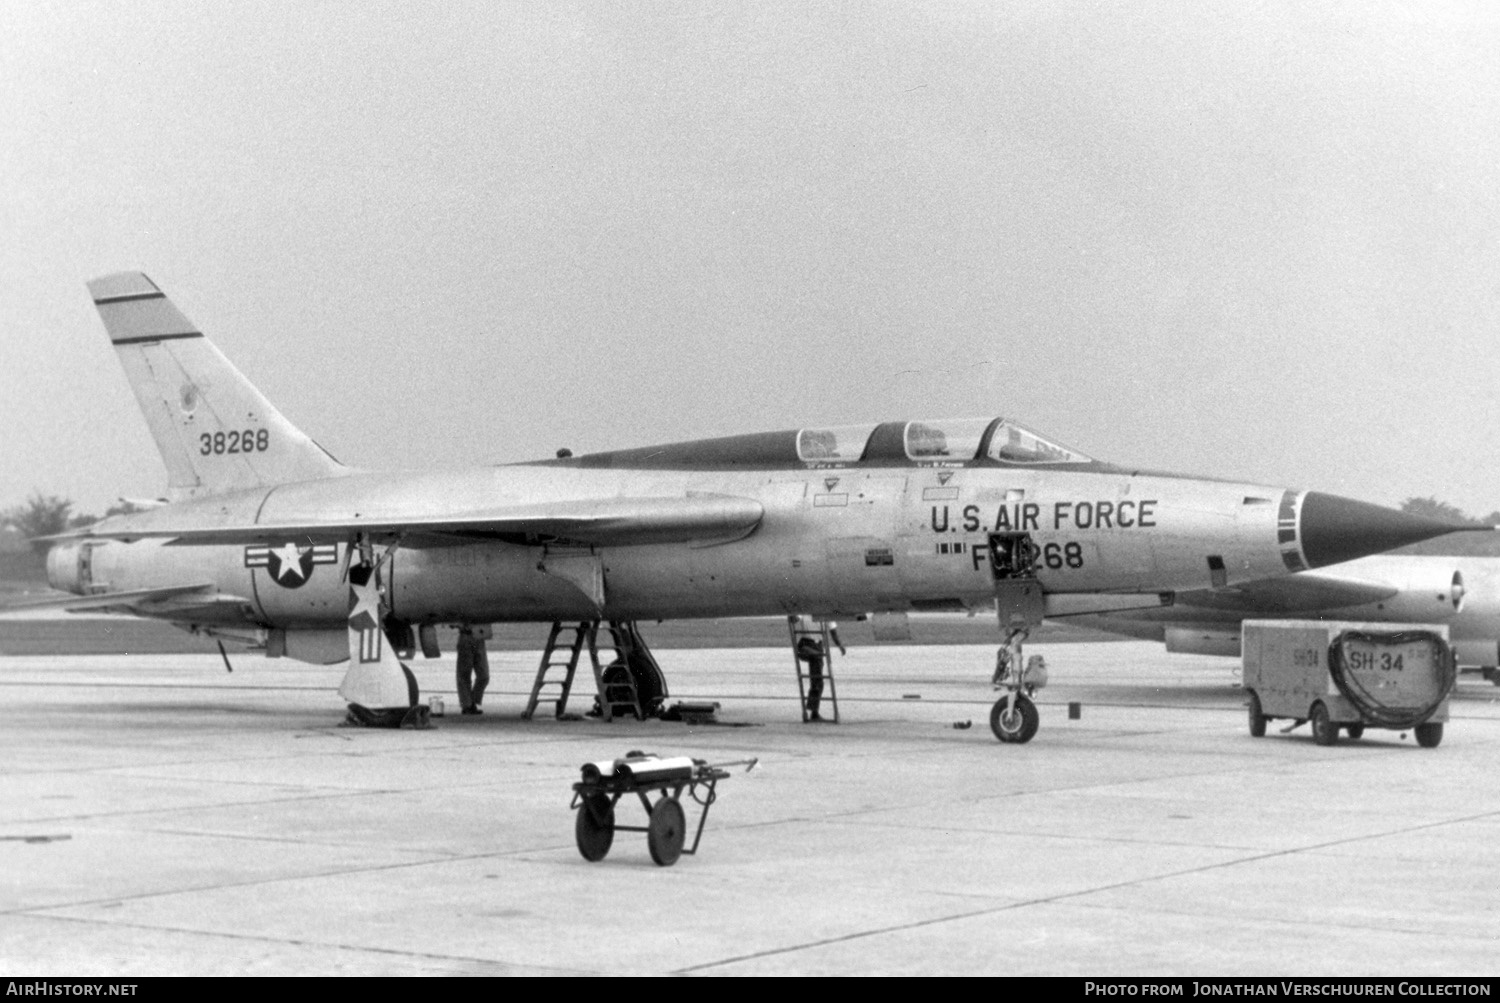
(1336,529)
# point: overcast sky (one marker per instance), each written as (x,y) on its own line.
(1243,240)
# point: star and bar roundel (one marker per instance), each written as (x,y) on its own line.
(290,565)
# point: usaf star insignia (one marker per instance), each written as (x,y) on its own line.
(289,564)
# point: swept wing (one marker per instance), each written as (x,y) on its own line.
(606,521)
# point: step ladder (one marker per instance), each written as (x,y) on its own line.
(560,663)
(819,632)
(617,694)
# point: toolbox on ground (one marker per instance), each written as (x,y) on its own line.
(1340,674)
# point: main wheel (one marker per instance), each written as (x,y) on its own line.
(1257,719)
(1429,734)
(1325,732)
(666,832)
(617,681)
(619,677)
(1018,725)
(595,826)
(1354,730)
(650,684)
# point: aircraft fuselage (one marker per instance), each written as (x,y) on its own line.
(832,541)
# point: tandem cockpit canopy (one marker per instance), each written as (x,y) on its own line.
(952,440)
(940,442)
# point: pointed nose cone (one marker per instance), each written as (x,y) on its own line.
(1337,529)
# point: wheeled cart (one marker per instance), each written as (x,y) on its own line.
(1349,676)
(604,784)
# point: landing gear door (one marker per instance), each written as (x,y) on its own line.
(1019,600)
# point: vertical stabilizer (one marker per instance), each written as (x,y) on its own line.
(215,430)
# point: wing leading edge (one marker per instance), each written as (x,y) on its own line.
(602,522)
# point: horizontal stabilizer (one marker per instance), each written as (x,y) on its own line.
(142,602)
(602,522)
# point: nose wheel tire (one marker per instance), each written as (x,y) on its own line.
(1017,725)
(1429,734)
(1257,717)
(666,831)
(595,827)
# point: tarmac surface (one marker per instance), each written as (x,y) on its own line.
(160,816)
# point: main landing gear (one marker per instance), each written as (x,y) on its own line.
(378,687)
(630,682)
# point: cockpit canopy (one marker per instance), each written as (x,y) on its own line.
(1015,443)
(949,441)
(953,440)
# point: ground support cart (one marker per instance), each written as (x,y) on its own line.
(1350,676)
(604,784)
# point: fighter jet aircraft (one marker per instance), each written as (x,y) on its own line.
(270,539)
(1463,592)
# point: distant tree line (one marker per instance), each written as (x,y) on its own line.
(1454,544)
(48,515)
(1434,509)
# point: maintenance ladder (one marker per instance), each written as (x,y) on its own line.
(820,633)
(561,655)
(582,633)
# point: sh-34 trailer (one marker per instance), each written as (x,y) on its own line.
(1353,676)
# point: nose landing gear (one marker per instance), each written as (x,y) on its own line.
(1014,716)
(1020,604)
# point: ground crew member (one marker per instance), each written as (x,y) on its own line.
(810,650)
(473,668)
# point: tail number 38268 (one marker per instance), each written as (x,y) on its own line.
(234,441)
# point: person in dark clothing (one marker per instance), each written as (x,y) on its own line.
(473,668)
(810,650)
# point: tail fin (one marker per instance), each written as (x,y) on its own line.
(215,431)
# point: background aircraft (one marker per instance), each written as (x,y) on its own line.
(1463,592)
(265,530)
